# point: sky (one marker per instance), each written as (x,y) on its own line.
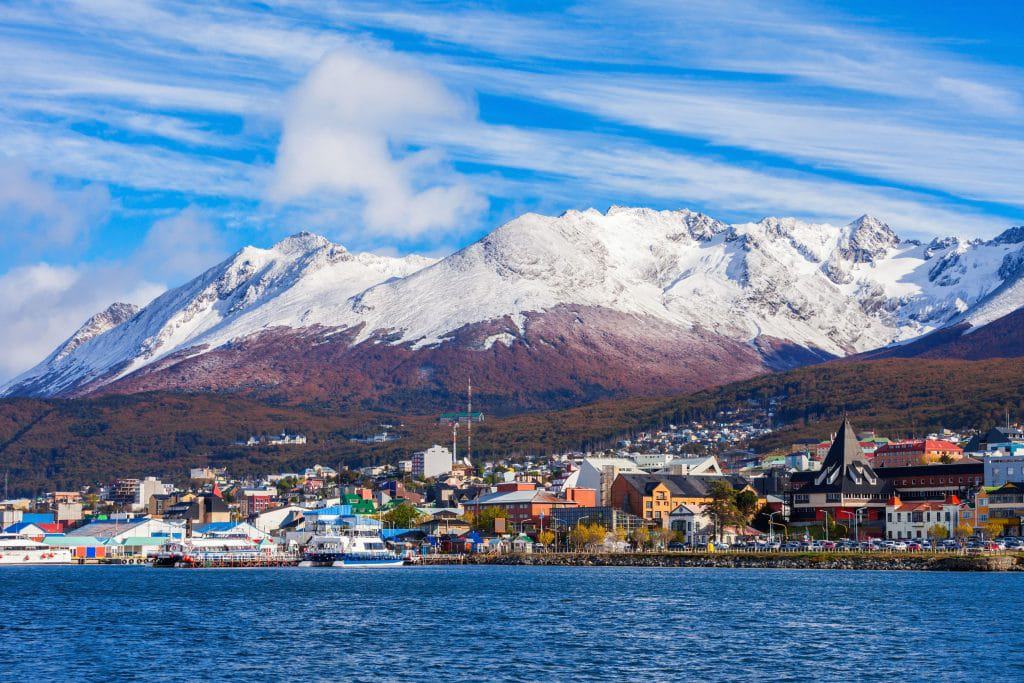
(141,142)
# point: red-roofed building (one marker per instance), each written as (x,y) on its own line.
(915,452)
(914,520)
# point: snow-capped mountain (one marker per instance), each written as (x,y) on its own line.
(547,310)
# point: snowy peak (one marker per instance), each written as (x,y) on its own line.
(816,288)
(869,239)
(107,319)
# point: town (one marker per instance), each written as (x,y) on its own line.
(855,490)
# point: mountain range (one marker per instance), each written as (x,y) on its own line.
(550,312)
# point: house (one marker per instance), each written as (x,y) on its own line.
(654,496)
(915,452)
(444,522)
(34,530)
(521,501)
(202,509)
(846,484)
(696,525)
(914,520)
(254,501)
(1004,505)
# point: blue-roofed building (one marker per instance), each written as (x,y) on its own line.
(37,517)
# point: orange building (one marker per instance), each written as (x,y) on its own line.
(916,452)
(522,502)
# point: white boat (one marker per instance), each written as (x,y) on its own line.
(355,545)
(18,549)
(228,551)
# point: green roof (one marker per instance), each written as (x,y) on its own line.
(72,541)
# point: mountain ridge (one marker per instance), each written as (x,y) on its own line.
(590,298)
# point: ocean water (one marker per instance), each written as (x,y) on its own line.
(507,623)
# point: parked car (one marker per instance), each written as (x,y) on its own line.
(914,545)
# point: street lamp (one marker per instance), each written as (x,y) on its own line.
(771,528)
(856,525)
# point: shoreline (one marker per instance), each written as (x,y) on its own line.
(726,560)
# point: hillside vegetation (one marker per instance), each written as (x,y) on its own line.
(54,444)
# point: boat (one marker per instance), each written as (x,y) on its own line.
(353,545)
(224,551)
(19,549)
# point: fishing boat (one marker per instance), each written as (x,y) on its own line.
(356,544)
(18,549)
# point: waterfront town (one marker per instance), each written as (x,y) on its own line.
(853,491)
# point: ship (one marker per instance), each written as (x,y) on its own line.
(354,543)
(19,549)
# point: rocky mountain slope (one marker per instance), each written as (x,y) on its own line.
(544,311)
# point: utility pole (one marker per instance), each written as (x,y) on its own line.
(455,441)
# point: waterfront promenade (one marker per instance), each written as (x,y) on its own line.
(926,561)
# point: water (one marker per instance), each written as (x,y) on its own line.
(507,623)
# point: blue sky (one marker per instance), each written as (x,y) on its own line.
(142,141)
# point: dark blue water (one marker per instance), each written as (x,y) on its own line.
(507,623)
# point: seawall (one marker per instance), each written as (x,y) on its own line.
(866,561)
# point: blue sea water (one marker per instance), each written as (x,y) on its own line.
(507,623)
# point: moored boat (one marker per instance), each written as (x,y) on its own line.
(18,549)
(355,544)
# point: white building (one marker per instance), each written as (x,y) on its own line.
(913,521)
(149,487)
(1004,465)
(696,525)
(706,466)
(433,462)
(598,473)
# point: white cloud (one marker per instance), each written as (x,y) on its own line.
(41,305)
(347,129)
(36,215)
(180,247)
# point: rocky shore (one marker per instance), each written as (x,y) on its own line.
(867,561)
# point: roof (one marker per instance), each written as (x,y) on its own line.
(845,468)
(681,485)
(106,529)
(512,497)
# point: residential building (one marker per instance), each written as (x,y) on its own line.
(1003,504)
(521,501)
(254,501)
(914,520)
(431,463)
(654,496)
(915,452)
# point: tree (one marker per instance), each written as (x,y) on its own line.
(721,506)
(546,537)
(403,516)
(938,532)
(665,536)
(641,536)
(746,504)
(587,536)
(964,530)
(484,519)
(992,528)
